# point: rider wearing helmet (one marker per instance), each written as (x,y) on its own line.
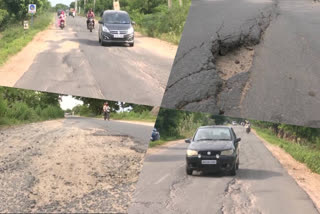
(90,15)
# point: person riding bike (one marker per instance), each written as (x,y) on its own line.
(248,126)
(61,17)
(106,111)
(90,15)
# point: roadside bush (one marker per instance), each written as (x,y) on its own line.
(4,16)
(144,116)
(3,107)
(22,112)
(51,112)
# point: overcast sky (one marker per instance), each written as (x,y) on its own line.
(68,102)
(66,2)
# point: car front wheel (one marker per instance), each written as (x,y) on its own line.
(233,171)
(189,171)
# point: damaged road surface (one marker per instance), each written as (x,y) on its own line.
(71,61)
(71,165)
(250,58)
(261,185)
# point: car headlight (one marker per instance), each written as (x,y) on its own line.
(227,152)
(192,152)
(130,30)
(105,29)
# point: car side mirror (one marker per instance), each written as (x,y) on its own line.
(238,140)
(187,141)
(133,23)
(100,22)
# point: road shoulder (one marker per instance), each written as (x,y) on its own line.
(304,177)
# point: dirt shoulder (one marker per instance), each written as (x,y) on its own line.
(56,167)
(158,46)
(306,179)
(164,146)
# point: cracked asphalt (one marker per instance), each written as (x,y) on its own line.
(261,185)
(77,165)
(75,63)
(282,84)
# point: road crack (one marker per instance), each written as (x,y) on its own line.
(238,199)
(219,89)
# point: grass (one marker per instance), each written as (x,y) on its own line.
(144,116)
(13,38)
(302,153)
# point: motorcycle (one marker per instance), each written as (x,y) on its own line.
(62,24)
(90,25)
(248,129)
(106,115)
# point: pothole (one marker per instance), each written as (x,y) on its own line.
(237,61)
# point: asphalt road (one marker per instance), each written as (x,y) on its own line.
(75,63)
(261,185)
(283,82)
(75,165)
(140,133)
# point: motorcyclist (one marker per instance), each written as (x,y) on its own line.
(61,17)
(248,126)
(90,15)
(106,111)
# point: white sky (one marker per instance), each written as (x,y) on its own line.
(66,2)
(68,102)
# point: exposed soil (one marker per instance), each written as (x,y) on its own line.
(50,167)
(240,60)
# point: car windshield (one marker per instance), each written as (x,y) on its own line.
(117,18)
(212,134)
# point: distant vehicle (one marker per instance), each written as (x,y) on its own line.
(213,149)
(155,135)
(116,27)
(234,123)
(71,11)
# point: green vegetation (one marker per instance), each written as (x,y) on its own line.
(14,38)
(24,106)
(153,17)
(143,116)
(303,152)
(176,124)
(12,35)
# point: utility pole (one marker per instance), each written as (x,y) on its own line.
(180,3)
(94,5)
(169,4)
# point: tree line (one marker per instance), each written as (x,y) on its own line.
(176,123)
(94,107)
